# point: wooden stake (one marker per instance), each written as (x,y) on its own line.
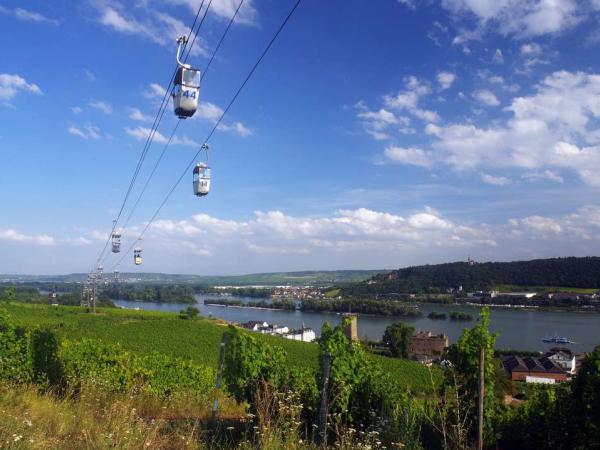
(481,398)
(324,406)
(215,406)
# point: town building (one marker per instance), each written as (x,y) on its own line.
(273,329)
(534,370)
(425,343)
(254,325)
(304,334)
(565,358)
(351,327)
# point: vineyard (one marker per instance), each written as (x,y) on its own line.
(146,332)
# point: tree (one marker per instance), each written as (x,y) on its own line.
(191,312)
(586,401)
(397,338)
(463,373)
(9,294)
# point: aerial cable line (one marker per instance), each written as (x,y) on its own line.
(156,123)
(221,40)
(199,26)
(216,125)
(158,161)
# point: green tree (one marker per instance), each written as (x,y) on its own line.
(248,363)
(463,373)
(191,312)
(397,338)
(586,401)
(9,294)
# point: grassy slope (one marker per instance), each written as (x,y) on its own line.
(146,331)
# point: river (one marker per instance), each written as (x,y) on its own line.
(519,329)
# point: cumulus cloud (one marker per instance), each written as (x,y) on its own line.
(158,27)
(410,156)
(276,232)
(103,106)
(155,90)
(141,134)
(554,128)
(377,123)
(486,97)
(12,84)
(494,180)
(87,131)
(225,9)
(548,175)
(211,112)
(11,234)
(408,100)
(28,15)
(445,79)
(136,114)
(531,49)
(518,17)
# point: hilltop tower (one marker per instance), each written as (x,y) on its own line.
(351,327)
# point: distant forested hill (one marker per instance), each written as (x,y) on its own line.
(565,272)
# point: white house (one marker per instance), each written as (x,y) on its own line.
(565,360)
(303,334)
(253,325)
(273,329)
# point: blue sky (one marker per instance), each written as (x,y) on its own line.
(374,134)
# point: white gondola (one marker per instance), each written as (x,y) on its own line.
(187,87)
(201,176)
(137,256)
(116,242)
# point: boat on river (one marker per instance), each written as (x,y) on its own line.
(557,340)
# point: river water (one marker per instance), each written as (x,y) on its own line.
(519,329)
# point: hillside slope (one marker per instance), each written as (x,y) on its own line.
(566,272)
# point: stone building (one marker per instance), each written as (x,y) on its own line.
(425,343)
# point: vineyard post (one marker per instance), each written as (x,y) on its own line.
(215,405)
(324,407)
(480,399)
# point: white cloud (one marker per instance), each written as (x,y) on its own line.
(408,100)
(277,233)
(146,22)
(494,180)
(531,49)
(498,57)
(445,79)
(236,127)
(209,111)
(225,9)
(28,16)
(376,123)
(212,113)
(76,110)
(523,18)
(155,91)
(410,156)
(136,114)
(11,234)
(554,128)
(11,85)
(548,175)
(486,97)
(100,105)
(539,223)
(88,131)
(141,134)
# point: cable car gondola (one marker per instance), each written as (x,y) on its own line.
(201,176)
(137,256)
(187,86)
(116,242)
